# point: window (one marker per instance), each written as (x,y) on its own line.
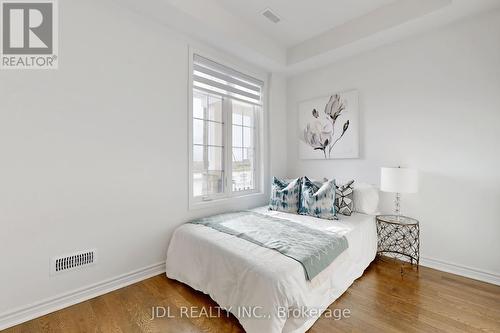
(226,115)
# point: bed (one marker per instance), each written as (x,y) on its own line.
(264,289)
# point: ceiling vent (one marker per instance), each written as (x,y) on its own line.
(270,15)
(72,261)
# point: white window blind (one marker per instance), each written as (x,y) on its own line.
(218,79)
(226,110)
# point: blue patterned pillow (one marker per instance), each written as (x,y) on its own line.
(318,201)
(285,195)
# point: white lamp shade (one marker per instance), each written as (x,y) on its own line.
(399,180)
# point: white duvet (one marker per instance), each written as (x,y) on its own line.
(264,289)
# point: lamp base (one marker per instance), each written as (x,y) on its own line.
(397,206)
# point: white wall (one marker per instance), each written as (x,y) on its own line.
(431,102)
(278,126)
(95,154)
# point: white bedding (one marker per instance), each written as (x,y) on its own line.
(238,274)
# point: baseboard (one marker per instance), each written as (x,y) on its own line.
(468,272)
(23,314)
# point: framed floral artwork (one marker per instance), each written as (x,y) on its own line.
(329,127)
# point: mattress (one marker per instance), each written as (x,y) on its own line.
(264,289)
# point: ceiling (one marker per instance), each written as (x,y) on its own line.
(311,33)
(300,20)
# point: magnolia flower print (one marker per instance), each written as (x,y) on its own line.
(320,135)
(334,107)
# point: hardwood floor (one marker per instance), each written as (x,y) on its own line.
(381,301)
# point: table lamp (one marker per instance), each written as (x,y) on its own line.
(398,180)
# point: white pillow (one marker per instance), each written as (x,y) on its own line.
(365,198)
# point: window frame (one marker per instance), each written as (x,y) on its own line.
(259,117)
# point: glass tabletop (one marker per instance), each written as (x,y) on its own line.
(397,219)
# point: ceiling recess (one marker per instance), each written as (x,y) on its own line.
(270,15)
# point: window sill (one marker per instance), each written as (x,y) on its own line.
(196,205)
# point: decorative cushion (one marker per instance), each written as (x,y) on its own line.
(366,198)
(318,201)
(285,195)
(344,198)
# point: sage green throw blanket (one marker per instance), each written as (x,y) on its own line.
(312,248)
